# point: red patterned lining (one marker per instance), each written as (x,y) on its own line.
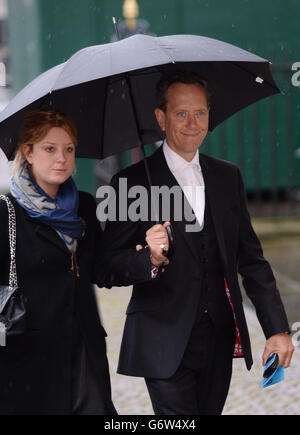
(154,272)
(238,350)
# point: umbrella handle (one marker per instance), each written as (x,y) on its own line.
(169,228)
(171,237)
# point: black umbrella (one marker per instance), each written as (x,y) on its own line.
(109,90)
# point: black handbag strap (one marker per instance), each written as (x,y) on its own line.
(12,235)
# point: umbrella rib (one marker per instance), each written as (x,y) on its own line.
(164,51)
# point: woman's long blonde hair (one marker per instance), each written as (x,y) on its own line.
(36,125)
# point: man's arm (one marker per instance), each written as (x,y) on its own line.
(260,285)
(121,261)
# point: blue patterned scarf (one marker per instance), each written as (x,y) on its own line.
(60,213)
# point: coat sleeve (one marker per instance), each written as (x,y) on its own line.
(258,278)
(117,261)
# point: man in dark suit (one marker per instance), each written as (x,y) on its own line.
(185,324)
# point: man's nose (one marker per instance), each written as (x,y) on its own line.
(191,120)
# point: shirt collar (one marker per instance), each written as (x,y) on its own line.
(176,162)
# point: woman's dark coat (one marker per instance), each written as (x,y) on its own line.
(36,369)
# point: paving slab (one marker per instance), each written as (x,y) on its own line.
(246,397)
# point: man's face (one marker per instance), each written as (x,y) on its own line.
(185,120)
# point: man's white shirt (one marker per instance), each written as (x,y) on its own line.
(190,178)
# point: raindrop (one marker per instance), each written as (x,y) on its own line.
(31,47)
(297,153)
(282,47)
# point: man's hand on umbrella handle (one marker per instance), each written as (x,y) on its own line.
(158,243)
(139,247)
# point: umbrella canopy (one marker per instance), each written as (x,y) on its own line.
(109,90)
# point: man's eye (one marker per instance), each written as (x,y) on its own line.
(181,114)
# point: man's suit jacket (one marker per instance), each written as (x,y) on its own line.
(162,311)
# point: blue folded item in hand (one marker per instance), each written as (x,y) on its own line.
(272,373)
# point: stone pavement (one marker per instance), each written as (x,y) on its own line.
(246,397)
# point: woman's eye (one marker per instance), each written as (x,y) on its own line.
(49,149)
(70,149)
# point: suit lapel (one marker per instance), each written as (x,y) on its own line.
(162,176)
(214,191)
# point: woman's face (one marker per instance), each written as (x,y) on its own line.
(52,160)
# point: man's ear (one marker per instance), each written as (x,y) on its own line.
(160,116)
